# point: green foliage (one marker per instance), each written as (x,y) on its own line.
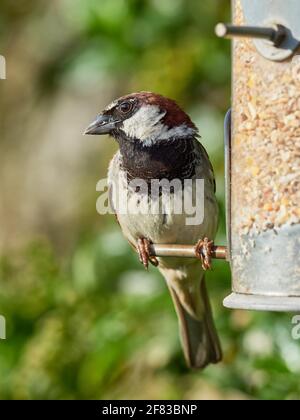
(104,328)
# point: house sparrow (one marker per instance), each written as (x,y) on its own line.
(157,140)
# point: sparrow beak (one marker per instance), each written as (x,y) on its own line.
(103,124)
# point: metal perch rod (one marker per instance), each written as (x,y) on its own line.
(186,251)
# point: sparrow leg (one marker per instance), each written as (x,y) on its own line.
(203,251)
(143,248)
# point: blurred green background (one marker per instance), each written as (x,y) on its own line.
(84,320)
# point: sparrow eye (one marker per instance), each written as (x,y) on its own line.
(125,107)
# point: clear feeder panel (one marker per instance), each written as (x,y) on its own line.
(265,179)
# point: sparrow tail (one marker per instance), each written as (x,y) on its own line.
(199,338)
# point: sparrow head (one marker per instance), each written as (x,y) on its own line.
(145,117)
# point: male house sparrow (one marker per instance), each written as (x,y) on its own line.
(157,140)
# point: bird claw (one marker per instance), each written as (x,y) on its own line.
(143,248)
(204,251)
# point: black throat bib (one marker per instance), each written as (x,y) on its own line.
(166,159)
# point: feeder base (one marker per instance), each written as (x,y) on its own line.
(262,303)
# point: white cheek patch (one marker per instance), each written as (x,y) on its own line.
(146,125)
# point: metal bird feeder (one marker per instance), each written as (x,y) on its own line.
(262,157)
(263,149)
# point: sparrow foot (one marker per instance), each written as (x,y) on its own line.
(203,251)
(143,248)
